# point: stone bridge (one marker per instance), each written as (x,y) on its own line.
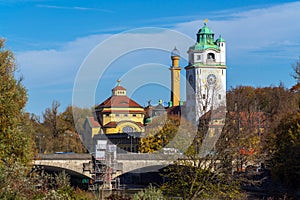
(81,164)
(139,163)
(71,163)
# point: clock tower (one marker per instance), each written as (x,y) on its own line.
(205,74)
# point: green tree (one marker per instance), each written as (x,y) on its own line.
(150,193)
(58,129)
(15,143)
(197,177)
(167,131)
(159,133)
(285,159)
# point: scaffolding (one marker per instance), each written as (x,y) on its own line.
(105,167)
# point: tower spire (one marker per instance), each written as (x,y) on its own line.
(175,77)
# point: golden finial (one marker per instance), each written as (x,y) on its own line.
(205,21)
(119,82)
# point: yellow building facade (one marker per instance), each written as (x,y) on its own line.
(120,114)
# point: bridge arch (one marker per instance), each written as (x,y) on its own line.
(57,169)
(143,176)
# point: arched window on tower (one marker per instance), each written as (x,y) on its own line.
(127,129)
(210,57)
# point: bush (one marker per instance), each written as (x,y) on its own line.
(151,193)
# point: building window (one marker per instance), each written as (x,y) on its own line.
(134,115)
(125,115)
(107,114)
(127,129)
(203,96)
(117,115)
(220,97)
(210,56)
(198,57)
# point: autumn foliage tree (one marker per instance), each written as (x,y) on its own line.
(59,131)
(15,143)
(285,159)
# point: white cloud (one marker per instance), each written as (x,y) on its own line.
(74,8)
(55,66)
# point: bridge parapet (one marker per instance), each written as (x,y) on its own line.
(148,156)
(129,162)
(73,156)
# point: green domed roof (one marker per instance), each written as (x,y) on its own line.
(220,39)
(205,30)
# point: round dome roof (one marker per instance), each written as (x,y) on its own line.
(220,39)
(175,52)
(205,30)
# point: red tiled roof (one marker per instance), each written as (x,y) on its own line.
(119,101)
(125,111)
(114,124)
(93,123)
(110,125)
(118,88)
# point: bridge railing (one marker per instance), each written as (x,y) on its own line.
(74,156)
(122,156)
(147,156)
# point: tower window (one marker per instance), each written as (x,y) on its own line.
(198,57)
(219,96)
(210,56)
(203,96)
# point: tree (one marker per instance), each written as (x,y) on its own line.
(296,68)
(285,159)
(150,193)
(159,133)
(15,143)
(167,131)
(51,120)
(59,130)
(197,177)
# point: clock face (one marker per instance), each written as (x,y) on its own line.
(211,79)
(191,80)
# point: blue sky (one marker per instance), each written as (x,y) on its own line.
(52,38)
